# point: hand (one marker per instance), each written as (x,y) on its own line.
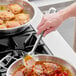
(49,23)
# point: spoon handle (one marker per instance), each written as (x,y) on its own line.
(36,43)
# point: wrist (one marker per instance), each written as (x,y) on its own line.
(64,14)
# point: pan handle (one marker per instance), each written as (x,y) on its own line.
(51,10)
(27,0)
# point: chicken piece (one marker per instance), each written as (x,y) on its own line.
(1,22)
(38,69)
(11,24)
(28,72)
(19,73)
(5,15)
(49,68)
(15,8)
(22,18)
(3,26)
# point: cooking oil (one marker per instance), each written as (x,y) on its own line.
(3,7)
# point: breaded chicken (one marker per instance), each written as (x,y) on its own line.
(22,18)
(5,15)
(1,22)
(38,69)
(11,24)
(15,8)
(50,68)
(3,26)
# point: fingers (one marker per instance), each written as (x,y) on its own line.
(49,23)
(48,31)
(41,23)
(42,28)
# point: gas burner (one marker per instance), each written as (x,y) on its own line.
(16,46)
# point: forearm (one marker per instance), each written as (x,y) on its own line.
(69,11)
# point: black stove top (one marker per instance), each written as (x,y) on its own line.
(16,46)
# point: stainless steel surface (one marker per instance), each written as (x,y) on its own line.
(27,7)
(10,70)
(58,5)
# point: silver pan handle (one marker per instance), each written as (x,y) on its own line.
(51,10)
(26,0)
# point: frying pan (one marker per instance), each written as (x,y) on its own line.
(27,7)
(43,57)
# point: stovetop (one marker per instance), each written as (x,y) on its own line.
(16,46)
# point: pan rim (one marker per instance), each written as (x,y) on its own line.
(7,73)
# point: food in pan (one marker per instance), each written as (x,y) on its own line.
(3,26)
(11,24)
(22,18)
(42,68)
(6,16)
(14,15)
(15,8)
(1,22)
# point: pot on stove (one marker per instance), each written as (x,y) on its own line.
(42,57)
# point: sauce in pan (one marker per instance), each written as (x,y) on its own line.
(42,68)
